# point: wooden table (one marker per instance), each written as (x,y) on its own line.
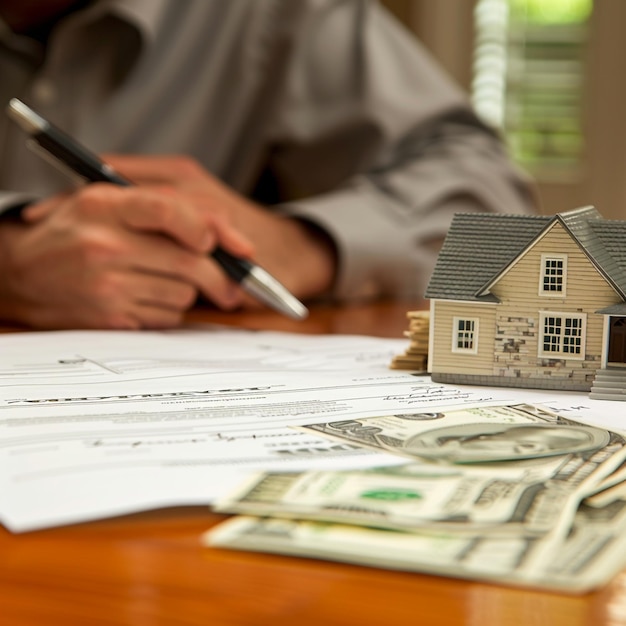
(149,569)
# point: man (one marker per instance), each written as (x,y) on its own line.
(319,139)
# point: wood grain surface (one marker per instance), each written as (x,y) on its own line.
(149,569)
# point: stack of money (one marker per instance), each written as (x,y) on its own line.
(510,494)
(416,355)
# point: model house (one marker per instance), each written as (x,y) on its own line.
(531,301)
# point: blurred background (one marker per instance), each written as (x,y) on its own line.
(549,74)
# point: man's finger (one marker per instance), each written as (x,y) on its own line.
(149,169)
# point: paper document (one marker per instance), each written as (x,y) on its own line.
(94,424)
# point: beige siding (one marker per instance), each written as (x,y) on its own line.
(444,359)
(518,316)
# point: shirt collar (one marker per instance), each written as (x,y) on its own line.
(19,43)
(145,15)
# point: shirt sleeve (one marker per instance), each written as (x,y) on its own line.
(375,144)
(11,202)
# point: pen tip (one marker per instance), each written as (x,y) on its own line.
(267,289)
(300,312)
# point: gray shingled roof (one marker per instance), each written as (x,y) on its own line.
(480,246)
(477,247)
(615,309)
(612,235)
(592,234)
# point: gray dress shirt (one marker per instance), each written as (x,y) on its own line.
(327,110)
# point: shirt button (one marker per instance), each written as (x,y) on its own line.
(44,92)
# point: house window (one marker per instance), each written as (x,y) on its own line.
(465,335)
(553,275)
(563,335)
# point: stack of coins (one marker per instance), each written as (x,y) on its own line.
(416,356)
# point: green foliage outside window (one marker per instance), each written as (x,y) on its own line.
(551,11)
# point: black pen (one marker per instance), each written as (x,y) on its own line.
(64,152)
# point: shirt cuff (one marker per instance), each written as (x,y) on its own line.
(12,203)
(376,254)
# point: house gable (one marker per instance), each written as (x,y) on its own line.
(584,286)
(601,241)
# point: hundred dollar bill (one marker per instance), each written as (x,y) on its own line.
(607,496)
(587,558)
(614,479)
(474,435)
(532,494)
(529,496)
(406,514)
(593,551)
(437,552)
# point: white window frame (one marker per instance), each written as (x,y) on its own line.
(545,259)
(560,353)
(456,332)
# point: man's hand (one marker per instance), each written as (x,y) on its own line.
(302,257)
(112,257)
(137,257)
